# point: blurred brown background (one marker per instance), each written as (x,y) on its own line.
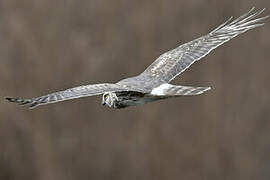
(51,45)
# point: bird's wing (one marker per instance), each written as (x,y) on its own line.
(174,62)
(76,92)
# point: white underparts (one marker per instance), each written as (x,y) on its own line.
(160,90)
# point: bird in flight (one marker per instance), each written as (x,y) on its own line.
(153,83)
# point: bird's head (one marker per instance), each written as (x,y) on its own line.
(109,99)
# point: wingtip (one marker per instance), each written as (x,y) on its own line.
(263,9)
(22,102)
(266,17)
(11,99)
(207,89)
(252,8)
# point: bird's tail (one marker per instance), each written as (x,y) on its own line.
(169,90)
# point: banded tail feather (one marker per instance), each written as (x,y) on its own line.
(154,80)
(172,90)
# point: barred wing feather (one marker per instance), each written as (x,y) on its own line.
(76,92)
(174,62)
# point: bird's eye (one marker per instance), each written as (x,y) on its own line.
(106,96)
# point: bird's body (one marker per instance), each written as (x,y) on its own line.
(153,83)
(129,98)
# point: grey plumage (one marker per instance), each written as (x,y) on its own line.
(174,62)
(152,84)
(77,92)
(169,90)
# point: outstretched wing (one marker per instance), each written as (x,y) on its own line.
(174,62)
(77,92)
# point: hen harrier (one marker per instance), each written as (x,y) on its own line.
(153,83)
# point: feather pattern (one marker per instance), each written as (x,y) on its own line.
(174,62)
(152,84)
(73,93)
(169,90)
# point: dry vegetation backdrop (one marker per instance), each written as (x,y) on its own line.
(51,45)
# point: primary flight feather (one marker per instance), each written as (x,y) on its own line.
(153,83)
